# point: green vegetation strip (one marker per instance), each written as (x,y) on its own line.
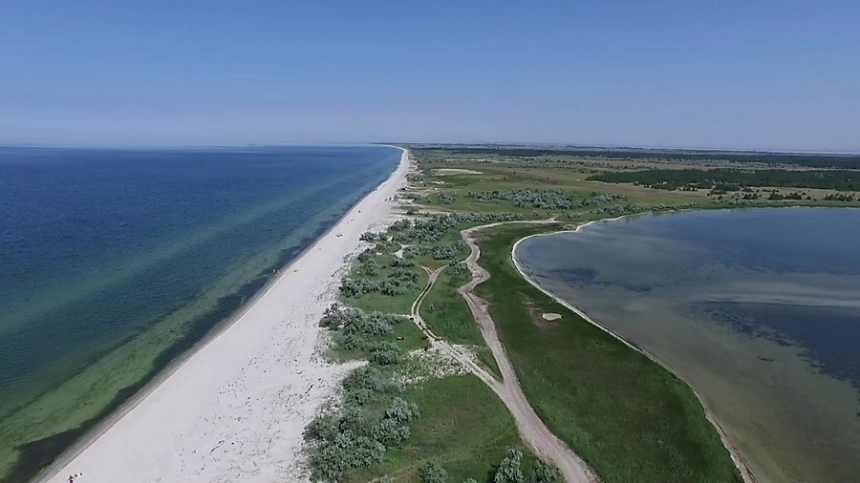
(734,180)
(629,418)
(813,160)
(448,314)
(414,416)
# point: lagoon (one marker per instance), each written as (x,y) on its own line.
(758,310)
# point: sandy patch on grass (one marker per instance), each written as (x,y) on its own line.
(454,171)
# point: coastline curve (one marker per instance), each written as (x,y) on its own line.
(737,457)
(289,306)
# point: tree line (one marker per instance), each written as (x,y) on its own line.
(544,199)
(811,160)
(733,179)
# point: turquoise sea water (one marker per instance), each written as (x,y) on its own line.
(759,310)
(113,263)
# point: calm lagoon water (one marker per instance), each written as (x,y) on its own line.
(759,310)
(113,263)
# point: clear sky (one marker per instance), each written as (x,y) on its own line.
(712,74)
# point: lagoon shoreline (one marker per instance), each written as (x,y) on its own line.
(234,407)
(741,462)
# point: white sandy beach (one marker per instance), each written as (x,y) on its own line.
(235,410)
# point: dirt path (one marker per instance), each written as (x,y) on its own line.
(440,344)
(545,444)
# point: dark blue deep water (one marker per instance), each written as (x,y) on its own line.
(104,249)
(758,309)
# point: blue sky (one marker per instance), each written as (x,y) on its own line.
(712,74)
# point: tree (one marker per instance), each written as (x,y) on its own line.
(509,469)
(432,473)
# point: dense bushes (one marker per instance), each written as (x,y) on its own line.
(458,269)
(435,227)
(372,419)
(509,470)
(356,438)
(450,252)
(398,283)
(545,199)
(356,330)
(815,160)
(541,472)
(352,287)
(734,179)
(848,197)
(620,210)
(386,353)
(432,473)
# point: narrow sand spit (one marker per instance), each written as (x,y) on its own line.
(235,410)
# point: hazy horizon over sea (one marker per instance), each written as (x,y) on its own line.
(116,261)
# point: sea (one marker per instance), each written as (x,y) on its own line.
(757,309)
(115,263)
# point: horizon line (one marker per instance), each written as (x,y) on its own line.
(431,143)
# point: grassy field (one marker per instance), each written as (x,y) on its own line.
(463,427)
(449,316)
(630,419)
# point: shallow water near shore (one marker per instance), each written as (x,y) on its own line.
(759,310)
(116,262)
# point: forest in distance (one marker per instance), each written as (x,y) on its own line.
(843,161)
(735,180)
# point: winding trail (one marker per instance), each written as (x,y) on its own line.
(532,429)
(545,444)
(461,356)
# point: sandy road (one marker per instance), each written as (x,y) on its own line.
(444,347)
(544,443)
(533,430)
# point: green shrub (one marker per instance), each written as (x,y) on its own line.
(509,469)
(352,287)
(544,473)
(432,473)
(390,432)
(386,353)
(344,453)
(401,410)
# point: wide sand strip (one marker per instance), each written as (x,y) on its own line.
(235,410)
